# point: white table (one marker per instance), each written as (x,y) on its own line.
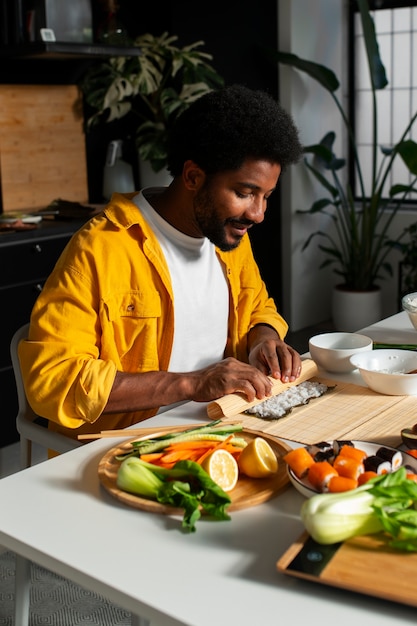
(57,515)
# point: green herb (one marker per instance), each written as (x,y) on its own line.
(186,486)
(385,503)
(398,346)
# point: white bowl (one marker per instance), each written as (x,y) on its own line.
(307,490)
(332,351)
(409,304)
(385,371)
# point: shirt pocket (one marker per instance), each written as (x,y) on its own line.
(134,318)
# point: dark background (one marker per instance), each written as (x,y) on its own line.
(234,34)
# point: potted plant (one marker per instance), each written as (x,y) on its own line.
(407,282)
(358,248)
(150,90)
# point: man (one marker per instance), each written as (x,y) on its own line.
(158,300)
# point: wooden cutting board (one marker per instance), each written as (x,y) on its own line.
(366,565)
(247,493)
(42,146)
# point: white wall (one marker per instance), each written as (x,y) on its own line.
(316,30)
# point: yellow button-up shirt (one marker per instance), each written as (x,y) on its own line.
(108,306)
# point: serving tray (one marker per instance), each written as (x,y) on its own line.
(365,564)
(248,491)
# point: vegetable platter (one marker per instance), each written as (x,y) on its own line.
(248,492)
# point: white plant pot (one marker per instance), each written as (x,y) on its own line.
(149,178)
(353,310)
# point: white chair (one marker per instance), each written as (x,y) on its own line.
(31,427)
(34,429)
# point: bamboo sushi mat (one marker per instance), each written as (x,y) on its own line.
(345,412)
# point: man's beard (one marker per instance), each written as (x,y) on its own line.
(209,222)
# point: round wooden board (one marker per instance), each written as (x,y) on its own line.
(248,491)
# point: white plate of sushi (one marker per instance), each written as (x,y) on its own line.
(379,459)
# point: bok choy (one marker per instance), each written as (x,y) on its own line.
(186,486)
(385,503)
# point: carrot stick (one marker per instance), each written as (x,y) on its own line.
(217,446)
(151,457)
(176,455)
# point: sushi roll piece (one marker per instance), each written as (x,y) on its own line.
(299,460)
(325,455)
(319,475)
(395,457)
(348,467)
(367,475)
(339,443)
(353,453)
(374,463)
(412,476)
(322,451)
(321,446)
(338,484)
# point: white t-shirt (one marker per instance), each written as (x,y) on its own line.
(201,295)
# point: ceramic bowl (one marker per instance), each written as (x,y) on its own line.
(332,351)
(306,489)
(409,304)
(385,371)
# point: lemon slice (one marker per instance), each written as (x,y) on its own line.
(222,467)
(257,459)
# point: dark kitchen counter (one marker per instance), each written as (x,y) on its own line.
(48,227)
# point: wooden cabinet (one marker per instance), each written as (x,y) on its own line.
(26,259)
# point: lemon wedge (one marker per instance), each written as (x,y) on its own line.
(222,467)
(257,459)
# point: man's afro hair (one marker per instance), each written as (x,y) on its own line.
(224,128)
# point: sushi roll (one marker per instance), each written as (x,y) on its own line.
(322,451)
(393,456)
(324,455)
(338,444)
(367,475)
(348,467)
(322,446)
(319,475)
(353,453)
(299,460)
(376,464)
(338,484)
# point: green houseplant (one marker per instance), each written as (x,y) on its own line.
(150,89)
(359,244)
(408,264)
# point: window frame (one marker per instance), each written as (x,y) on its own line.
(374,5)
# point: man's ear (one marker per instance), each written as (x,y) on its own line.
(193,176)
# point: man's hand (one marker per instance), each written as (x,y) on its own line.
(271,355)
(229,376)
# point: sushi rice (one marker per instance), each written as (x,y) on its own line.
(282,404)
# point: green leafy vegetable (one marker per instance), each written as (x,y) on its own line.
(185,486)
(385,503)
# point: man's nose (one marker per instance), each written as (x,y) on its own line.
(256,211)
